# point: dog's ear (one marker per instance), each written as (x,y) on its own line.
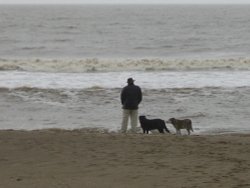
(171,120)
(174,120)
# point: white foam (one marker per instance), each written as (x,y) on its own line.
(151,80)
(118,65)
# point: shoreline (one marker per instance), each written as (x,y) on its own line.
(103,130)
(90,158)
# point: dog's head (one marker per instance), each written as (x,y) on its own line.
(142,118)
(171,120)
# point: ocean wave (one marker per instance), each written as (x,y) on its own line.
(62,40)
(203,91)
(45,95)
(57,91)
(117,65)
(33,48)
(195,115)
(9,67)
(27,89)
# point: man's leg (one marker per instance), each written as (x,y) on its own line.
(125,116)
(134,120)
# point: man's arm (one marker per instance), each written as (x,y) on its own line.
(122,96)
(140,95)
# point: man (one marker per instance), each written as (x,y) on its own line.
(131,97)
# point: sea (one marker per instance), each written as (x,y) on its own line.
(64,66)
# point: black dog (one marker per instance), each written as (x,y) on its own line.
(151,124)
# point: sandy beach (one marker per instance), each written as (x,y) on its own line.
(89,158)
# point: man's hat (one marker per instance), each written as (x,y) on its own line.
(130,80)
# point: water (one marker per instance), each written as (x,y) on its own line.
(124,31)
(64,66)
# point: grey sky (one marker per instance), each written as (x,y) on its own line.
(125,1)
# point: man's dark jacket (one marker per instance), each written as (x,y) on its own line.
(131,97)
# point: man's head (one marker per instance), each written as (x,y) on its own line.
(130,81)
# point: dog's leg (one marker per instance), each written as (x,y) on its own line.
(166,129)
(161,131)
(179,131)
(188,131)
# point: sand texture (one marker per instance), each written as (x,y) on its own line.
(90,159)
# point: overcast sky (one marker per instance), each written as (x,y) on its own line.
(124,1)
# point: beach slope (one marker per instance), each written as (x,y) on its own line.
(83,158)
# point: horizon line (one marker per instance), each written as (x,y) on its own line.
(125,3)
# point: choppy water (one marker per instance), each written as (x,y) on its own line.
(124,31)
(216,101)
(64,66)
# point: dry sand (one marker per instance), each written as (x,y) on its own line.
(86,159)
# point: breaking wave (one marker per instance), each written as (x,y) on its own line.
(117,65)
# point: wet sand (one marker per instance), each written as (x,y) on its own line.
(85,158)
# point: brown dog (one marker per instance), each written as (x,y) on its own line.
(181,124)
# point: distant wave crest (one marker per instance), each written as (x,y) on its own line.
(117,65)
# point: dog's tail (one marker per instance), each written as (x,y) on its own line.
(191,126)
(166,129)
